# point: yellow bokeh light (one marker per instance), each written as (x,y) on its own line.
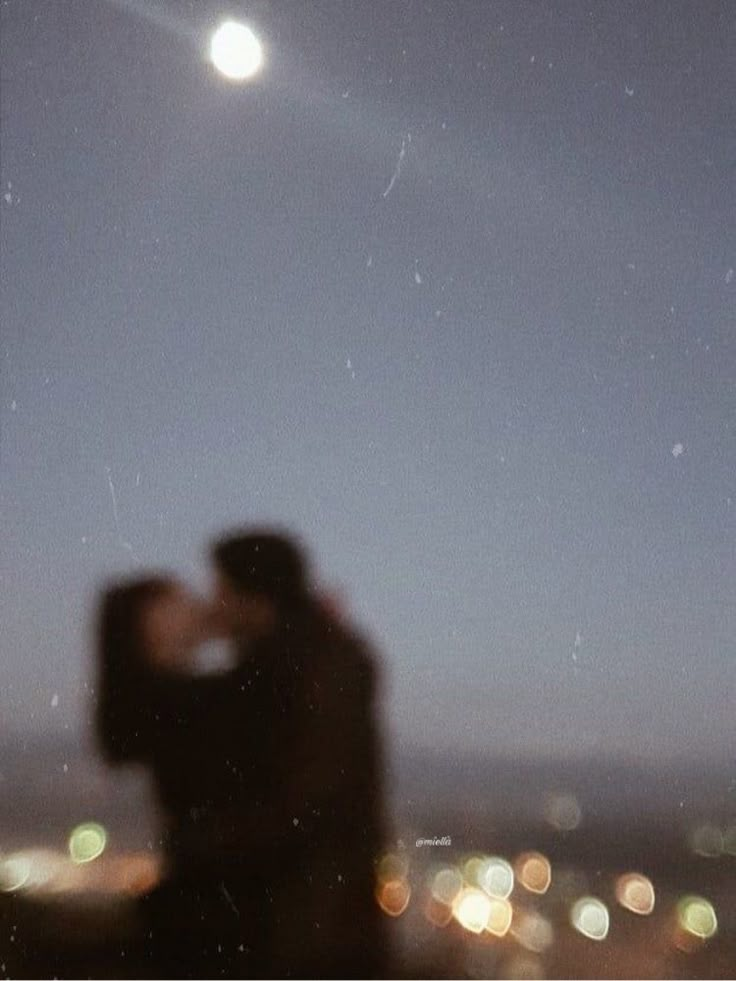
(534,872)
(500,915)
(472,869)
(697,916)
(472,909)
(635,893)
(393,896)
(87,842)
(590,917)
(235,51)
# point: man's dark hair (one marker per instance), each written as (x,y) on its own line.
(263,561)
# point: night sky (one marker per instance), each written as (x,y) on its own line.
(449,289)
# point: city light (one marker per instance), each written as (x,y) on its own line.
(445,885)
(87,842)
(635,893)
(496,877)
(392,865)
(393,896)
(15,872)
(472,909)
(563,811)
(472,869)
(534,872)
(697,917)
(34,869)
(533,931)
(500,915)
(707,840)
(590,917)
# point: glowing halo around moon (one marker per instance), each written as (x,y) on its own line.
(235,51)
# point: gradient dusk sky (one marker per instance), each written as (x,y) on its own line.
(449,289)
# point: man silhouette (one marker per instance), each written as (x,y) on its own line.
(321,822)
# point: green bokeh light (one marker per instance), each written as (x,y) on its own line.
(697,916)
(87,842)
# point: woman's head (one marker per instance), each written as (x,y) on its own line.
(144,626)
(171,627)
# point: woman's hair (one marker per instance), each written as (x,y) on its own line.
(122,722)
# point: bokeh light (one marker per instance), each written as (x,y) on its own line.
(496,877)
(533,931)
(393,896)
(392,865)
(534,872)
(87,842)
(472,909)
(707,840)
(473,868)
(32,869)
(635,893)
(562,811)
(15,872)
(697,917)
(437,913)
(500,915)
(590,917)
(445,884)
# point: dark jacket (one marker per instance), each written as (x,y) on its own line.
(269,777)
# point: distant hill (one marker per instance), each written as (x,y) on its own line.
(519,788)
(48,785)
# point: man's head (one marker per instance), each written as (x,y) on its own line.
(261,576)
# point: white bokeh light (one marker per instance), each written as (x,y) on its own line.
(235,51)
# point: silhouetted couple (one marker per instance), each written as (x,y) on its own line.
(268,773)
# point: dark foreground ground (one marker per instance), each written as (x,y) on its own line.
(81,922)
(593,823)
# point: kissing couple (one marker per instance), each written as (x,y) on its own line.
(267,773)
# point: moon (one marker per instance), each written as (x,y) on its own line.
(235,51)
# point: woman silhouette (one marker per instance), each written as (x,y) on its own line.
(153,711)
